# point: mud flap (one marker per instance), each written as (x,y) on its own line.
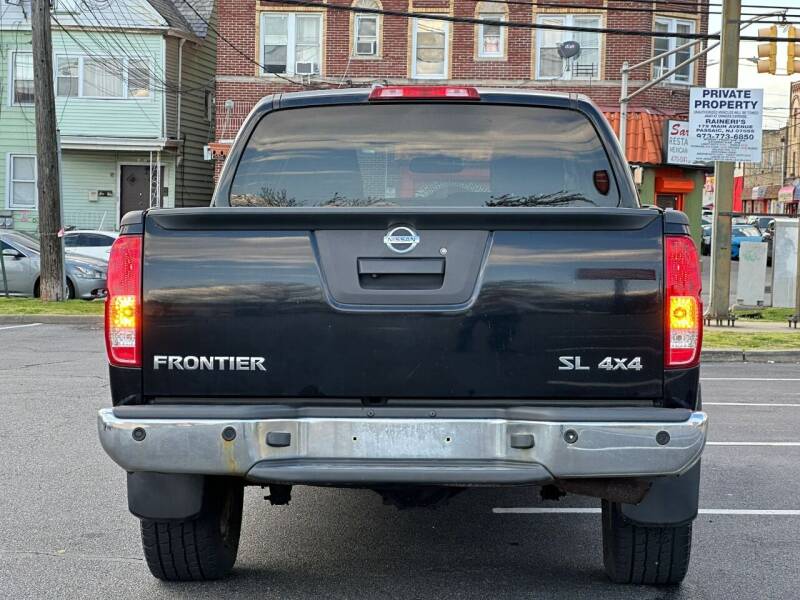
(165,496)
(671,501)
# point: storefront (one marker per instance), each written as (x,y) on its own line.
(656,145)
(773,200)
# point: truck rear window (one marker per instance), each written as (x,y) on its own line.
(424,155)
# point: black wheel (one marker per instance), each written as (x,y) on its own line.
(644,555)
(198,549)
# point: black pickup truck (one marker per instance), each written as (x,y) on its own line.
(414,290)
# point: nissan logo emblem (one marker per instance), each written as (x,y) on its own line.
(401,239)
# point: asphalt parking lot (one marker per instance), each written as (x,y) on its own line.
(65,531)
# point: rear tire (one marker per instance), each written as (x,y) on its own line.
(198,549)
(644,555)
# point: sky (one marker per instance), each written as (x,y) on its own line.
(776,87)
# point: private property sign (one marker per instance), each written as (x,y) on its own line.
(725,125)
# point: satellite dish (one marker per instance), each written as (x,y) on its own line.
(569,49)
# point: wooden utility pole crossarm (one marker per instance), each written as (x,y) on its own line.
(51,258)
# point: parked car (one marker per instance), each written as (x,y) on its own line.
(705,241)
(741,234)
(86,276)
(413,290)
(89,242)
(764,224)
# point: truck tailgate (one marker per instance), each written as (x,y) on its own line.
(550,304)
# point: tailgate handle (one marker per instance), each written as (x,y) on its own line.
(400,266)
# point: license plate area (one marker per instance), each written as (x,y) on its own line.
(403,439)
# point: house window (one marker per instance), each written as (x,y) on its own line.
(67,76)
(22,182)
(430,49)
(550,64)
(366,30)
(22,78)
(138,78)
(291,43)
(665,44)
(491,38)
(103,77)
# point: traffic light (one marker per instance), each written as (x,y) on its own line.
(768,51)
(793,51)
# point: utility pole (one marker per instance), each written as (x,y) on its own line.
(723,172)
(51,257)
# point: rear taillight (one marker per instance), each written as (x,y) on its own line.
(684,307)
(424,92)
(124,302)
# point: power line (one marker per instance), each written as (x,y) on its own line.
(238,50)
(103,42)
(693,11)
(512,24)
(583,6)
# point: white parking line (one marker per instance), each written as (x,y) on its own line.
(749,379)
(795,404)
(752,443)
(524,510)
(19,326)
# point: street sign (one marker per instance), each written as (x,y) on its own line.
(725,125)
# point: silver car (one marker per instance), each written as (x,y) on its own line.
(86,276)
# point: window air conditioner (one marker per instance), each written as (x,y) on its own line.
(305,68)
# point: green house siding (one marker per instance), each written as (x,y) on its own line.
(171,95)
(150,121)
(126,118)
(84,173)
(196,182)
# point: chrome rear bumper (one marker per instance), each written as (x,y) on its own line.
(353,451)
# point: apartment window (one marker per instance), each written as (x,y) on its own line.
(22,78)
(491,38)
(665,44)
(366,30)
(291,43)
(103,77)
(22,183)
(67,76)
(550,64)
(430,49)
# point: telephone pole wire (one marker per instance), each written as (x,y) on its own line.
(723,172)
(51,256)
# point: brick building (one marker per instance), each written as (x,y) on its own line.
(282,47)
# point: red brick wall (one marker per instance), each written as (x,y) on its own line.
(238,80)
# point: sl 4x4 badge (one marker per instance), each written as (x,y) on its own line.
(609,363)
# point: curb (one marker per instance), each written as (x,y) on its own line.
(760,356)
(51,319)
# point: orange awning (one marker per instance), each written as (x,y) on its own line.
(644,135)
